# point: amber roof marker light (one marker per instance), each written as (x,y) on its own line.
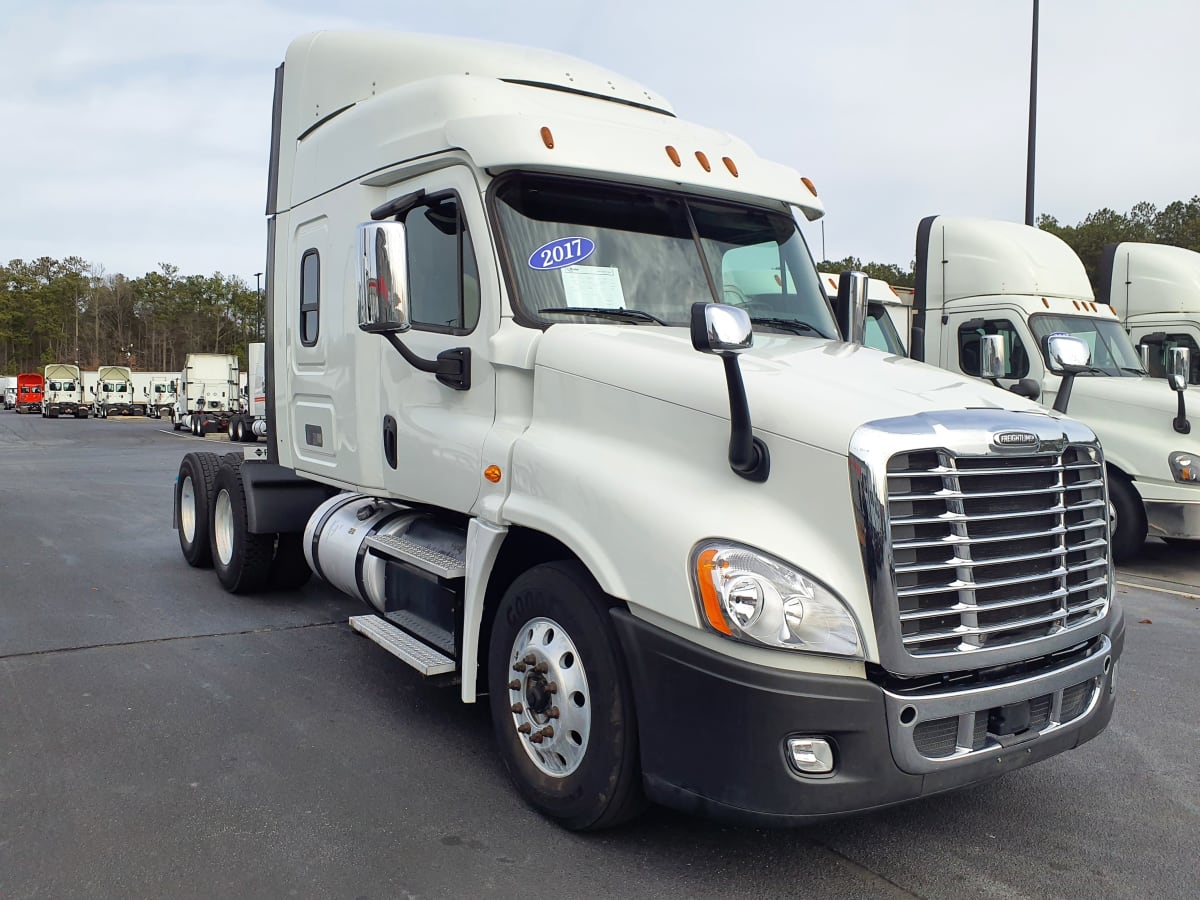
(703,160)
(730,165)
(674,156)
(547,138)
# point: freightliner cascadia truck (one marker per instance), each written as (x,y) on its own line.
(63,392)
(690,544)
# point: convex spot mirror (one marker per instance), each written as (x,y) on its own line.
(1179,363)
(717,328)
(382,278)
(1067,353)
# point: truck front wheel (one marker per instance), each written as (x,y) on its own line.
(193,498)
(1129,529)
(561,701)
(242,560)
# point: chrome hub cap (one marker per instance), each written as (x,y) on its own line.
(549,697)
(187,508)
(223,527)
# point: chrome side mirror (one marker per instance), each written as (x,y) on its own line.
(1179,366)
(993,357)
(851,306)
(1065,353)
(382,278)
(1143,350)
(720,329)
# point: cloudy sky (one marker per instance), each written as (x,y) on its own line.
(136,132)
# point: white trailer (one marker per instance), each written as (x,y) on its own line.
(63,392)
(207,392)
(802,580)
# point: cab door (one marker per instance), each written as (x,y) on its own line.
(433,434)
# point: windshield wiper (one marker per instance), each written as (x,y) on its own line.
(604,312)
(795,326)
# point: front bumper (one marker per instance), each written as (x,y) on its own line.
(714,730)
(1173,519)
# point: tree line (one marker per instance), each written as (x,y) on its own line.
(72,311)
(1177,224)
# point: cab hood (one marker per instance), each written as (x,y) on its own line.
(810,390)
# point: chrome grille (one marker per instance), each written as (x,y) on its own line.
(996,550)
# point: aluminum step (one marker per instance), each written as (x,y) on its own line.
(422,657)
(424,558)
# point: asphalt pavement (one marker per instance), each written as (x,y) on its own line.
(160,738)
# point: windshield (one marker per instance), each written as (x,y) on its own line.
(585,252)
(1111,350)
(54,386)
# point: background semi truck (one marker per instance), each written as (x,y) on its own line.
(250,424)
(8,391)
(207,392)
(161,393)
(977,277)
(29,392)
(1155,290)
(63,392)
(801,579)
(113,394)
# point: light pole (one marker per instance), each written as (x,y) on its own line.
(258,305)
(1033,57)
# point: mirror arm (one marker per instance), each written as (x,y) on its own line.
(1064,391)
(451,367)
(748,455)
(1181,423)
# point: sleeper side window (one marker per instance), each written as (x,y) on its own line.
(443,281)
(310,297)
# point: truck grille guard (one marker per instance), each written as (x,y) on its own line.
(991,551)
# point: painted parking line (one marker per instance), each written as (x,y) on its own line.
(1148,587)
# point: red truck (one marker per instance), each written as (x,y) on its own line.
(29,392)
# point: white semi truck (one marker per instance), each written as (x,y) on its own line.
(699,551)
(113,393)
(63,392)
(207,394)
(8,391)
(1155,290)
(251,424)
(157,393)
(977,278)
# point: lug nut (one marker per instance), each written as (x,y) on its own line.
(529,659)
(519,667)
(547,732)
(552,713)
(536,738)
(541,668)
(551,687)
(515,684)
(518,707)
(524,728)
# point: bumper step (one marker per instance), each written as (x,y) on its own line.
(422,657)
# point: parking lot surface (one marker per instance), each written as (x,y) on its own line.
(160,738)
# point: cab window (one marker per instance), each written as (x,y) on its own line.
(1160,353)
(1016,356)
(443,280)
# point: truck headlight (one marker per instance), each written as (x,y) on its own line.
(750,596)
(1185,467)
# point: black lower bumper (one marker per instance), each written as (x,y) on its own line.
(714,733)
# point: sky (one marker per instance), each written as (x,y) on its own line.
(136,132)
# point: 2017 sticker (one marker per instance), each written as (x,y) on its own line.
(565,251)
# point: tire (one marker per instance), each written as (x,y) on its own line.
(585,773)
(237,429)
(193,506)
(289,568)
(241,560)
(1129,533)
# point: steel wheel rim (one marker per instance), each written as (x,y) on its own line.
(223,527)
(187,509)
(550,703)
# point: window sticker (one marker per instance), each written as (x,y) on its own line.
(563,252)
(596,287)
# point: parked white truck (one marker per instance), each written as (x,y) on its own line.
(157,391)
(8,391)
(976,278)
(63,392)
(113,394)
(798,580)
(207,393)
(251,424)
(1155,290)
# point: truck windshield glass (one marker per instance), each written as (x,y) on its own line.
(588,252)
(1112,351)
(881,333)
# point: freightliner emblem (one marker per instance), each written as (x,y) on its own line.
(1014,439)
